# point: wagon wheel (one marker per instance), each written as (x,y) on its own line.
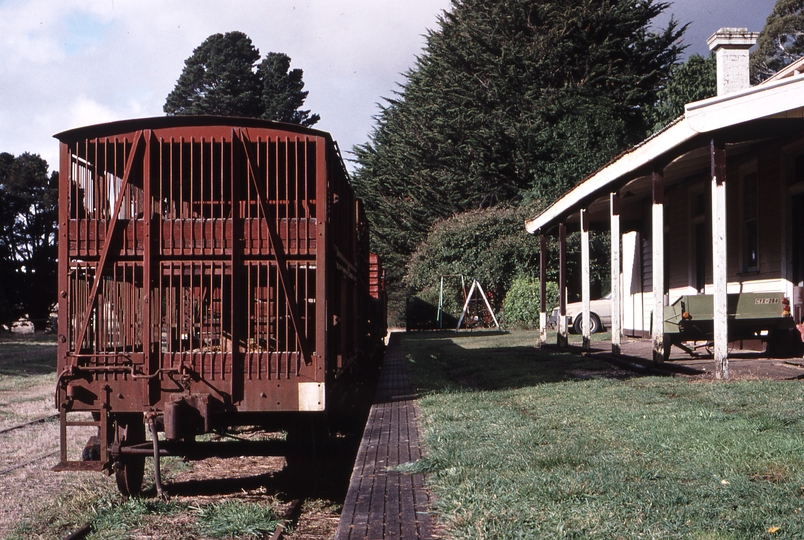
(129,470)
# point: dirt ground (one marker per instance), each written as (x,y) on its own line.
(24,489)
(28,454)
(26,481)
(742,363)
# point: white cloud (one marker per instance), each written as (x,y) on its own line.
(28,34)
(86,111)
(79,62)
(76,62)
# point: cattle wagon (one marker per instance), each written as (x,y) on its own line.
(213,272)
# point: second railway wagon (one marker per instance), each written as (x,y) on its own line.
(212,272)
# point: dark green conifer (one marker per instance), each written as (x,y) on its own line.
(510,100)
(222,77)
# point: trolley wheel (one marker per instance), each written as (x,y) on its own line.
(129,470)
(668,344)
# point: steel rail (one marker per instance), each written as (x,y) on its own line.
(32,422)
(290,519)
(29,462)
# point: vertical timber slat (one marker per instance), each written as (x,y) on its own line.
(585,278)
(657,227)
(147,261)
(561,336)
(719,258)
(616,292)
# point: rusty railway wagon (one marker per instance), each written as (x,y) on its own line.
(213,272)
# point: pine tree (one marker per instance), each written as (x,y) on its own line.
(694,80)
(510,100)
(282,91)
(218,78)
(222,77)
(781,40)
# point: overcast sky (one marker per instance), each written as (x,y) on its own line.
(71,63)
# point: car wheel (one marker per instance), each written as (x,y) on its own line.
(594,324)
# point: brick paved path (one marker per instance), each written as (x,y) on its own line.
(383,504)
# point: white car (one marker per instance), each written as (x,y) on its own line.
(599,315)
(22,326)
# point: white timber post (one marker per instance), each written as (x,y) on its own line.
(585,278)
(542,288)
(561,335)
(657,225)
(616,311)
(719,259)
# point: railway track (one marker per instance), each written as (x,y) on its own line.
(30,461)
(31,423)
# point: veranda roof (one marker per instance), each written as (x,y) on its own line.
(758,112)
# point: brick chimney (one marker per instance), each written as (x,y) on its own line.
(731,50)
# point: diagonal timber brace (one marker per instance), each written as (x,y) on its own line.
(276,245)
(110,230)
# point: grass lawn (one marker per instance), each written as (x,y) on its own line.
(524,443)
(27,377)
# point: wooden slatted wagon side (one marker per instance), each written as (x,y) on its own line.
(212,272)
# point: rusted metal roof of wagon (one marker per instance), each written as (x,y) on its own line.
(163,122)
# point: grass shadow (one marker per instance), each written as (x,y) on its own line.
(638,364)
(441,334)
(498,361)
(22,356)
(214,486)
